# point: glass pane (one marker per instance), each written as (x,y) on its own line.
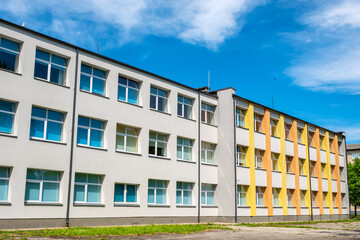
(130,193)
(134,84)
(210,198)
(151,147)
(210,157)
(98,86)
(97,124)
(8,44)
(58,60)
(85,69)
(94,178)
(210,118)
(187,153)
(51,175)
(122,81)
(96,138)
(187,111)
(4,172)
(41,70)
(187,197)
(85,82)
(160,183)
(160,196)
(32,191)
(203,200)
(6,122)
(178,197)
(153,90)
(54,131)
(80,177)
(162,93)
(161,104)
(82,136)
(57,116)
(7,60)
(120,143)
(120,128)
(79,193)
(38,112)
(99,73)
(133,96)
(34,174)
(119,193)
(42,55)
(93,193)
(151,183)
(131,144)
(152,135)
(161,149)
(50,192)
(151,197)
(57,75)
(84,121)
(4,187)
(121,93)
(152,102)
(179,153)
(7,106)
(179,109)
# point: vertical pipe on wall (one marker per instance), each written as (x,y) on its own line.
(72,140)
(199,156)
(235,166)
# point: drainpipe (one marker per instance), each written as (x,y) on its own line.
(235,166)
(199,156)
(72,140)
(308,153)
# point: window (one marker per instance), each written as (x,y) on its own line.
(7,115)
(9,53)
(288,164)
(46,124)
(322,142)
(241,155)
(207,194)
(92,80)
(290,193)
(185,107)
(184,149)
(207,152)
(50,67)
(354,155)
(42,186)
(287,132)
(125,193)
(334,199)
(299,135)
(259,158)
(127,138)
(342,174)
(158,99)
(242,195)
(240,117)
(324,199)
(157,191)
(323,170)
(331,144)
(313,199)
(276,194)
(128,90)
(158,144)
(87,188)
(260,196)
(274,161)
(301,166)
(302,198)
(90,132)
(257,122)
(312,168)
(311,139)
(4,183)
(273,127)
(332,172)
(343,200)
(207,113)
(184,193)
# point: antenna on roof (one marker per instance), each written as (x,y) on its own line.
(98,47)
(23,24)
(209,79)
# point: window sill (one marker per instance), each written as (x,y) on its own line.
(190,119)
(185,206)
(209,206)
(302,175)
(243,206)
(8,71)
(275,137)
(159,205)
(208,124)
(261,169)
(166,113)
(280,207)
(290,173)
(89,205)
(48,141)
(309,146)
(304,207)
(326,207)
(56,84)
(243,128)
(95,94)
(324,178)
(5,203)
(289,141)
(314,177)
(276,171)
(130,153)
(90,147)
(8,135)
(126,205)
(159,157)
(242,166)
(260,133)
(209,164)
(342,180)
(43,204)
(187,161)
(292,207)
(132,104)
(261,207)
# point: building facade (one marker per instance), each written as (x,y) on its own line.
(87,140)
(352,151)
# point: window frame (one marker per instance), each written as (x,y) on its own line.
(89,128)
(182,189)
(156,140)
(92,79)
(126,135)
(127,86)
(276,197)
(260,191)
(157,96)
(324,199)
(241,155)
(258,118)
(182,106)
(183,146)
(6,179)
(275,159)
(312,168)
(241,190)
(257,157)
(209,147)
(288,163)
(290,197)
(206,112)
(323,166)
(273,127)
(239,117)
(155,188)
(302,198)
(311,139)
(313,198)
(86,184)
(125,193)
(206,191)
(10,51)
(301,166)
(13,114)
(49,66)
(287,132)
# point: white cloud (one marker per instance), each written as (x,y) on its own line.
(331,59)
(204,22)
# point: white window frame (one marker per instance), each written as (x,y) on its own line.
(208,148)
(183,106)
(157,96)
(127,90)
(155,189)
(92,79)
(182,190)
(156,140)
(126,135)
(86,184)
(240,117)
(241,155)
(301,166)
(88,128)
(256,120)
(273,124)
(275,158)
(41,186)
(258,194)
(276,192)
(12,52)
(206,112)
(49,63)
(8,182)
(302,198)
(11,113)
(206,191)
(311,138)
(125,193)
(290,192)
(288,162)
(240,192)
(313,198)
(261,157)
(183,146)
(45,120)
(288,131)
(299,136)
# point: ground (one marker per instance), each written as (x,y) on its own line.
(305,230)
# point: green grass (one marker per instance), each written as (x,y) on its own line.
(104,232)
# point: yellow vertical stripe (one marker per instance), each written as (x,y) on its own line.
(251,194)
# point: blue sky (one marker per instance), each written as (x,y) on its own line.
(311,48)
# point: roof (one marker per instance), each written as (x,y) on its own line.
(354,146)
